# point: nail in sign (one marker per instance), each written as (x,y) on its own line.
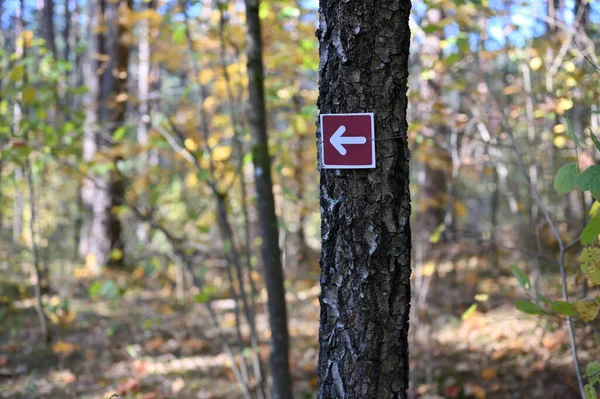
(348,141)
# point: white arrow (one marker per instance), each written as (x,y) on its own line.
(338,141)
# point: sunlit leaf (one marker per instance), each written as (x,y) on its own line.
(593,372)
(590,392)
(587,309)
(119,133)
(591,231)
(16,74)
(590,264)
(116,254)
(28,95)
(178,34)
(469,312)
(535,63)
(437,234)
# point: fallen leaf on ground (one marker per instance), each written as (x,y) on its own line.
(489,374)
(131,385)
(177,385)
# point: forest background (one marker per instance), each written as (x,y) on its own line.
(133,113)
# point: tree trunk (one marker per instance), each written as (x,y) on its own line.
(107,82)
(48,26)
(365,228)
(270,251)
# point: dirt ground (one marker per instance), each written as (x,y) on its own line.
(145,345)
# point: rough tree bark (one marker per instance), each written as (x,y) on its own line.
(365,228)
(270,251)
(106,77)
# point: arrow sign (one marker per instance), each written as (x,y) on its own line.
(348,141)
(338,140)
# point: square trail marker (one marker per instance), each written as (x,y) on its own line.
(348,141)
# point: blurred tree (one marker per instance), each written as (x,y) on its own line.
(365,229)
(267,219)
(101,241)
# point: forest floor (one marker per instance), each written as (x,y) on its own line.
(144,345)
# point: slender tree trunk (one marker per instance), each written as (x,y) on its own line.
(107,81)
(271,253)
(365,228)
(48,26)
(18,204)
(39,275)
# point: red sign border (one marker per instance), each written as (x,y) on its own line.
(371,166)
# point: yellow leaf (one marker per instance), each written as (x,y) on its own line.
(560,141)
(191,181)
(116,254)
(209,104)
(221,153)
(138,273)
(428,269)
(16,73)
(121,97)
(301,125)
(65,348)
(28,95)
(206,76)
(558,129)
(190,144)
(587,309)
(595,208)
(489,374)
(287,171)
(90,261)
(590,264)
(263,10)
(535,63)
(569,66)
(482,297)
(564,104)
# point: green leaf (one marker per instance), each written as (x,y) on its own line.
(566,178)
(469,312)
(589,180)
(521,277)
(207,292)
(590,392)
(289,12)
(564,308)
(595,140)
(119,133)
(95,288)
(590,264)
(432,28)
(544,299)
(16,74)
(178,34)
(591,231)
(572,134)
(526,306)
(109,290)
(437,234)
(587,309)
(593,372)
